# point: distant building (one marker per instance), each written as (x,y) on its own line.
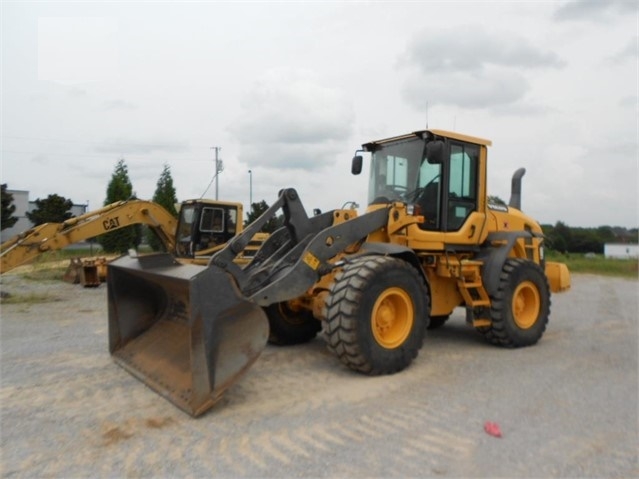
(621,250)
(23,205)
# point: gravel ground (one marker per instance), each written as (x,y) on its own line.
(567,407)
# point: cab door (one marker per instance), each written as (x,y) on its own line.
(461,192)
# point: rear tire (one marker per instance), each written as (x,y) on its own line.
(520,307)
(288,327)
(377,311)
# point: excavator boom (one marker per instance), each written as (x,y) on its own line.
(53,236)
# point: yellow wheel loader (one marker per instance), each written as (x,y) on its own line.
(428,243)
(202,228)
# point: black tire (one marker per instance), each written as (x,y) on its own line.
(288,327)
(520,307)
(437,321)
(377,310)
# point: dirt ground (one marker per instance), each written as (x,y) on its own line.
(567,407)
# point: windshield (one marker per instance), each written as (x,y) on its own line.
(397,171)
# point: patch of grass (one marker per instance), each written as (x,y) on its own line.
(45,274)
(28,298)
(62,254)
(597,264)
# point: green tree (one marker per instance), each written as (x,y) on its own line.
(118,189)
(8,208)
(561,238)
(164,196)
(606,235)
(53,209)
(256,211)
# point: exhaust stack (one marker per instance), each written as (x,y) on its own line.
(515,189)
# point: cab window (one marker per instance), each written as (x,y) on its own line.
(212,220)
(394,170)
(429,199)
(462,184)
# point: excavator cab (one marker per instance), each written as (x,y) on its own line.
(204,226)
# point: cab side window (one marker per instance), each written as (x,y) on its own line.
(462,184)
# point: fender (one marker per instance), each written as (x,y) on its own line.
(494,257)
(390,249)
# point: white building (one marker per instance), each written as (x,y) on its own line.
(621,250)
(23,205)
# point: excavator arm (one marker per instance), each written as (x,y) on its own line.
(53,236)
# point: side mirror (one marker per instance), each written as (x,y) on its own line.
(435,152)
(356,165)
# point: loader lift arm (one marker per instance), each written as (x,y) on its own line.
(53,236)
(293,258)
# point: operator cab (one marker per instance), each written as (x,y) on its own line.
(438,174)
(203,226)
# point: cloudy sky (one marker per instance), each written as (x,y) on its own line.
(290,90)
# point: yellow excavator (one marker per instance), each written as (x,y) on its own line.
(203,227)
(429,242)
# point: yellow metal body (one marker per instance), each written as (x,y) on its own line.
(189,332)
(455,279)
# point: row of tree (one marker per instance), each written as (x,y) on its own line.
(56,209)
(566,239)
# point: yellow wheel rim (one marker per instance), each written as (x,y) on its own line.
(526,305)
(392,318)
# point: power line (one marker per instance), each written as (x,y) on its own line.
(98,143)
(93,155)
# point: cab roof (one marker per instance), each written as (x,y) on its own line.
(370,146)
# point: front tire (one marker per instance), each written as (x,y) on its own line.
(377,311)
(521,306)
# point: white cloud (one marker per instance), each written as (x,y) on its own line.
(482,89)
(472,70)
(74,50)
(290,120)
(627,53)
(133,146)
(472,48)
(594,10)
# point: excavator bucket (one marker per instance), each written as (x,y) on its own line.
(182,329)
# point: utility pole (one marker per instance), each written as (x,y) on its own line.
(219,167)
(250,189)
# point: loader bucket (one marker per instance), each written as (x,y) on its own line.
(182,329)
